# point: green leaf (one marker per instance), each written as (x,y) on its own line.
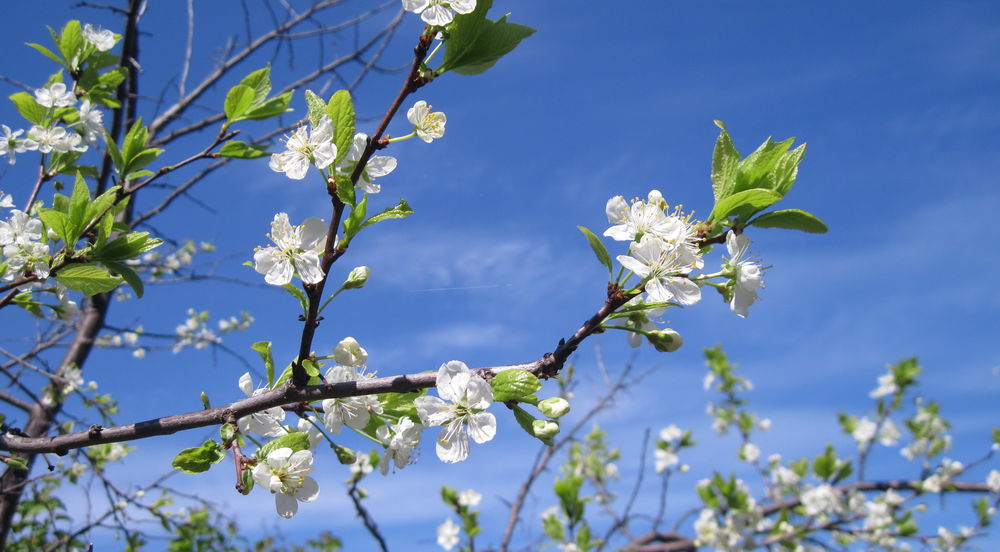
(27,301)
(755,170)
(112,78)
(241,150)
(227,432)
(19,464)
(298,294)
(130,276)
(271,108)
(353,223)
(401,404)
(341,112)
(57,221)
(476,43)
(198,459)
(345,189)
(263,349)
(725,158)
(88,278)
(260,82)
(47,53)
(598,247)
(78,203)
(794,219)
(238,101)
(744,204)
(787,170)
(29,108)
(71,43)
(511,385)
(298,440)
(316,107)
(400,210)
(128,246)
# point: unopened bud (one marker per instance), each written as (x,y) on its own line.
(554,408)
(544,429)
(345,455)
(357,278)
(665,341)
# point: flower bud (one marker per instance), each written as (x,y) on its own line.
(350,353)
(665,341)
(357,278)
(554,408)
(345,455)
(544,429)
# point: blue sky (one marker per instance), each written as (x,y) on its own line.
(897,101)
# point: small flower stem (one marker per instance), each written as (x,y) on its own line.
(401,138)
(430,56)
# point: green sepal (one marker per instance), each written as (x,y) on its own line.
(88,278)
(241,150)
(598,246)
(198,459)
(340,108)
(298,440)
(263,349)
(476,43)
(793,219)
(400,210)
(511,385)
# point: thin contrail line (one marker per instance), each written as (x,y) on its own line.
(488,286)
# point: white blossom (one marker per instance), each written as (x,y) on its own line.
(355,412)
(377,166)
(56,139)
(664,266)
(55,95)
(467,396)
(19,238)
(298,251)
(747,277)
(304,148)
(285,473)
(821,500)
(750,452)
(427,125)
(665,459)
(102,39)
(670,433)
(631,223)
(888,434)
(400,441)
(886,386)
(864,431)
(439,12)
(92,120)
(11,144)
(447,534)
(469,498)
(350,353)
(266,422)
(308,425)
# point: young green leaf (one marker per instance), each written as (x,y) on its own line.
(199,459)
(511,385)
(341,112)
(128,246)
(353,223)
(316,107)
(47,53)
(476,43)
(400,210)
(598,246)
(271,108)
(29,108)
(298,440)
(794,219)
(743,204)
(88,278)
(345,189)
(130,276)
(260,82)
(241,150)
(238,101)
(725,158)
(263,349)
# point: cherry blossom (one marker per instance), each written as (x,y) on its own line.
(439,12)
(428,126)
(266,422)
(55,95)
(10,144)
(298,251)
(304,148)
(747,274)
(102,39)
(285,473)
(378,165)
(468,395)
(400,441)
(664,266)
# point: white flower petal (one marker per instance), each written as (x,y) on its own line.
(286,505)
(482,427)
